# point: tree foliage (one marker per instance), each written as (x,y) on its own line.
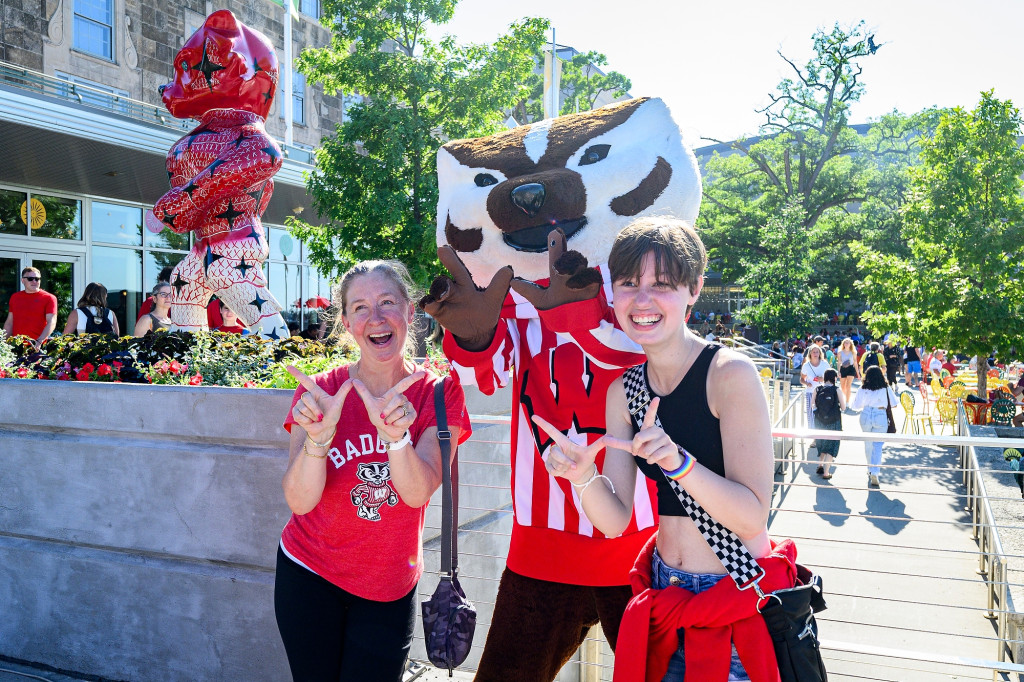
(958,285)
(780,279)
(847,182)
(375,182)
(581,85)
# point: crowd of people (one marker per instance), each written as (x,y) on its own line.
(32,312)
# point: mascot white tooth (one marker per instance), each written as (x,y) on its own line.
(546,201)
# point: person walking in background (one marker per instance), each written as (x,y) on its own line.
(913,372)
(811,375)
(361,469)
(872,399)
(31,312)
(872,357)
(829,406)
(892,356)
(92,316)
(848,368)
(159,319)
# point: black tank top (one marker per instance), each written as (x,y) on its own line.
(687,419)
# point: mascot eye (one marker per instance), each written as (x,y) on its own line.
(485,179)
(594,154)
(184,65)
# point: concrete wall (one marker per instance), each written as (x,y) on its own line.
(139,524)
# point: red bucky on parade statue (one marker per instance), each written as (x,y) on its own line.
(221,174)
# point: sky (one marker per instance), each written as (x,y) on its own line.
(715,61)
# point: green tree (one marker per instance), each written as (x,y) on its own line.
(780,279)
(583,82)
(958,286)
(375,182)
(847,182)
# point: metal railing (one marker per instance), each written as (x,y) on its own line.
(113,103)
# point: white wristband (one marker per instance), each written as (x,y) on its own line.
(399,444)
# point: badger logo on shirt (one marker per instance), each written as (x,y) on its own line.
(590,174)
(374,491)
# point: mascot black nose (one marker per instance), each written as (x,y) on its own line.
(529,198)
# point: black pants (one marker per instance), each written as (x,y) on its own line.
(331,635)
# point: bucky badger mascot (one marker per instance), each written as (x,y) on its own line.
(545,202)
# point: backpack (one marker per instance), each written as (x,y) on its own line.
(98,323)
(826,404)
(871,360)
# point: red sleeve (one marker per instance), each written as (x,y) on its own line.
(458,414)
(51,305)
(486,369)
(591,325)
(147,307)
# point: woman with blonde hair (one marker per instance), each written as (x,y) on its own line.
(848,368)
(361,469)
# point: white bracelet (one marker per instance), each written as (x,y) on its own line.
(582,487)
(399,444)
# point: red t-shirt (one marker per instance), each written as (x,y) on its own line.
(237,329)
(30,311)
(361,536)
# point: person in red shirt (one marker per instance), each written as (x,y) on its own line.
(229,321)
(32,312)
(361,471)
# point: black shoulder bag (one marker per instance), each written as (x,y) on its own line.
(449,618)
(788,613)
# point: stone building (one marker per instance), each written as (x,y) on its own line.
(83,138)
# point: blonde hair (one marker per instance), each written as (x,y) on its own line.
(394,271)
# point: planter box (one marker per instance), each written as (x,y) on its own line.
(139,527)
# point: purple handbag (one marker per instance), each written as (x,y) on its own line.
(449,618)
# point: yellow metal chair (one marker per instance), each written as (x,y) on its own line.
(957,390)
(938,390)
(766,373)
(914,422)
(947,412)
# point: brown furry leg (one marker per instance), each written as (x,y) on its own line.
(611,604)
(536,627)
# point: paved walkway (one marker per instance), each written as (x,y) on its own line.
(898,563)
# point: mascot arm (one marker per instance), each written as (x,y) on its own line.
(590,324)
(487,369)
(239,166)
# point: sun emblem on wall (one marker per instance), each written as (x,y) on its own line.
(38,213)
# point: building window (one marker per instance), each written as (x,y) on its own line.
(298,98)
(94,27)
(311,8)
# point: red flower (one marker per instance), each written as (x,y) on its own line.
(22,372)
(63,377)
(88,367)
(3,373)
(118,365)
(196,380)
(175,367)
(40,375)
(104,371)
(249,384)
(82,375)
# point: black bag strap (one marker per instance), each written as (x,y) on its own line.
(449,489)
(727,546)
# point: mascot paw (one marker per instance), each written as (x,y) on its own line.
(468,312)
(571,277)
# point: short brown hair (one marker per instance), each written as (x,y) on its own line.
(679,255)
(29,269)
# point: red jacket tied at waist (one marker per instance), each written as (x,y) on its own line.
(714,620)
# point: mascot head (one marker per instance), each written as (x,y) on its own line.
(224,65)
(590,174)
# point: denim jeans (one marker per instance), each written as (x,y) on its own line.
(873,420)
(661,577)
